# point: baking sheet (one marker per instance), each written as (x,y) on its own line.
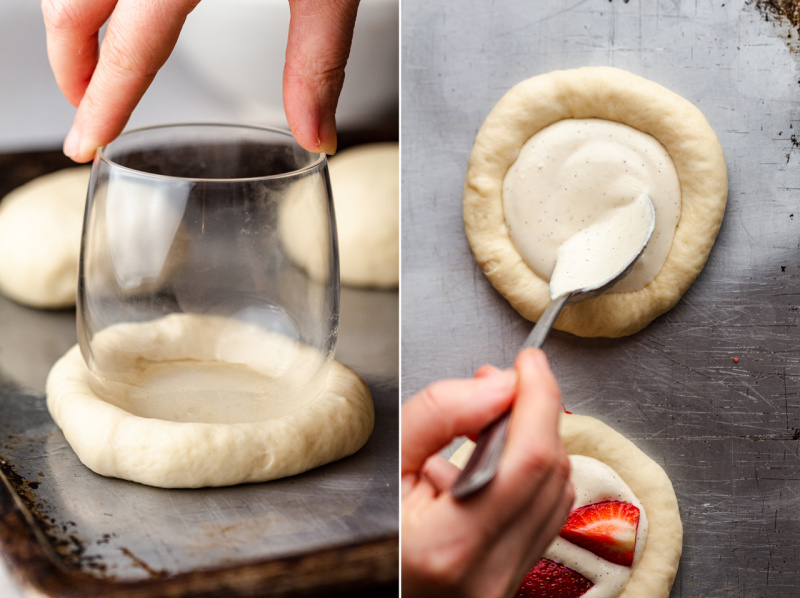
(126,534)
(710,389)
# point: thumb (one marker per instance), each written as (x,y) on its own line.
(320,34)
(451,408)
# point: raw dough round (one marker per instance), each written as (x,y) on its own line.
(366,194)
(654,574)
(40,239)
(611,94)
(138,440)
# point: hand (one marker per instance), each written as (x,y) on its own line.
(482,546)
(106,82)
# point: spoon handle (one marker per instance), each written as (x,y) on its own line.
(536,338)
(482,464)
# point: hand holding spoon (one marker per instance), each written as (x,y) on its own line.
(588,263)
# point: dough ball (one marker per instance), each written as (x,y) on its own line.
(40,239)
(366,195)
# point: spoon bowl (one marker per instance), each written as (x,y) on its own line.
(582,271)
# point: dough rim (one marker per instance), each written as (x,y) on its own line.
(655,574)
(113,442)
(611,94)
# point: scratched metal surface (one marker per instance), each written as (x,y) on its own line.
(124,531)
(726,432)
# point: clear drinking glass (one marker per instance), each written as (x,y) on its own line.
(208,286)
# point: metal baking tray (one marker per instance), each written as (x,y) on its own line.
(710,390)
(65,531)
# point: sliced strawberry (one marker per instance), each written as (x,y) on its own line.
(551,580)
(607,528)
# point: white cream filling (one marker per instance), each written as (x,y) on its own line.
(575,173)
(594,482)
(602,251)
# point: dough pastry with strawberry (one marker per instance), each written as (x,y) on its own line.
(623,537)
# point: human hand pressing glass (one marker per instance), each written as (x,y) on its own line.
(482,546)
(106,81)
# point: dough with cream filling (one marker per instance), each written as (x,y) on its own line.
(151,442)
(654,570)
(614,95)
(40,239)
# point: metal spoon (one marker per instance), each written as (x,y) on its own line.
(482,465)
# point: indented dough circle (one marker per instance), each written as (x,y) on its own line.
(582,435)
(611,94)
(40,239)
(114,442)
(366,193)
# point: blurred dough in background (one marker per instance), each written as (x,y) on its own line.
(40,239)
(366,196)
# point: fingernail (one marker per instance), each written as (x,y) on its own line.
(486,370)
(72,144)
(326,141)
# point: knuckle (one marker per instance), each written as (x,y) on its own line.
(562,466)
(324,69)
(431,398)
(537,462)
(59,14)
(118,60)
(441,567)
(434,405)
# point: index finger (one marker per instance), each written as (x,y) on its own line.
(534,422)
(138,41)
(533,448)
(448,409)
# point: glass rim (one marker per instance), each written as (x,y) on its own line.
(316,163)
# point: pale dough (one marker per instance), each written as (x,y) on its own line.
(611,94)
(654,574)
(112,440)
(40,239)
(366,195)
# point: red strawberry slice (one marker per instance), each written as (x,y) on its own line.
(551,580)
(608,529)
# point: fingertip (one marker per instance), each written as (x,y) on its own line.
(72,144)
(85,155)
(533,357)
(535,374)
(317,135)
(77,148)
(327,135)
(305,133)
